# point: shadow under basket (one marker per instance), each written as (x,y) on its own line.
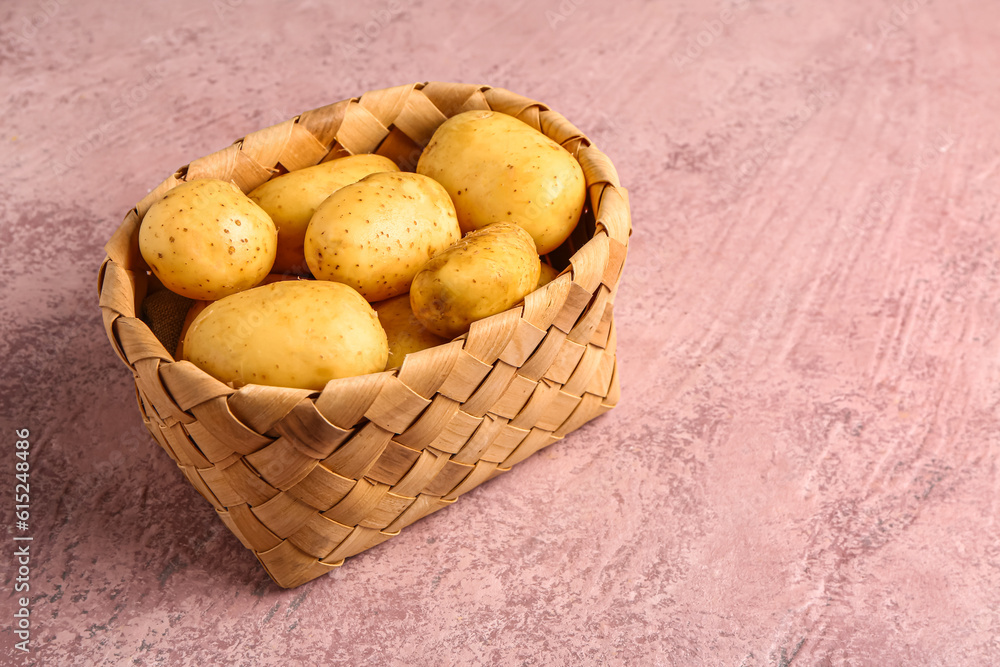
(305,479)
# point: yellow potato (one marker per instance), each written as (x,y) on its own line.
(403,329)
(205,240)
(487,272)
(547,275)
(292,198)
(198,306)
(299,334)
(374,235)
(496,167)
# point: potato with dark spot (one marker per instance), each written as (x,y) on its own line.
(205,239)
(292,198)
(487,272)
(374,235)
(403,330)
(496,167)
(300,334)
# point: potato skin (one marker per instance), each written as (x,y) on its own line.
(403,330)
(547,275)
(292,198)
(374,235)
(487,272)
(496,167)
(199,306)
(206,239)
(298,334)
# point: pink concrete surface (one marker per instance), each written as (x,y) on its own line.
(803,469)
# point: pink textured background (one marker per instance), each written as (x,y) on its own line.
(804,465)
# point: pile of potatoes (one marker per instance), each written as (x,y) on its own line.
(343,268)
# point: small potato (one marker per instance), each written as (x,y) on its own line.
(547,275)
(298,334)
(496,167)
(403,329)
(292,198)
(205,240)
(374,235)
(487,272)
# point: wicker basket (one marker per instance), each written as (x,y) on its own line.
(305,479)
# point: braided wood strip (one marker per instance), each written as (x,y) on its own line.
(306,479)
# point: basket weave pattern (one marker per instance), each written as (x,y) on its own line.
(305,479)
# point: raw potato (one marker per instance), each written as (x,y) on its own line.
(374,235)
(199,306)
(206,239)
(299,334)
(496,167)
(403,329)
(487,272)
(547,275)
(292,198)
